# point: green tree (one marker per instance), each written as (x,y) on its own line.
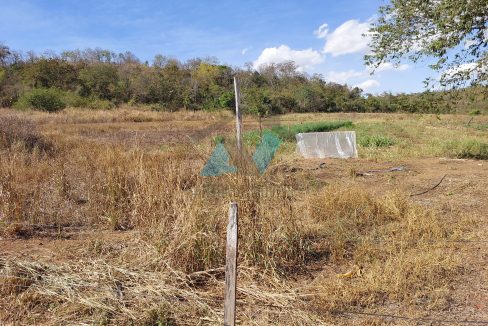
(258,103)
(52,72)
(100,80)
(452,32)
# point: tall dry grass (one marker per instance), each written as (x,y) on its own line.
(288,224)
(399,248)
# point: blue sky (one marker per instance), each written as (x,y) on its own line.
(321,36)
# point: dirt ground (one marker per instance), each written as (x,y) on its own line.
(462,193)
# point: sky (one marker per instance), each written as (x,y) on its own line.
(321,36)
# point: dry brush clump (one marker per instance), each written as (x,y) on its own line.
(137,291)
(18,131)
(399,251)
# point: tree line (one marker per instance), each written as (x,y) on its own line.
(98,78)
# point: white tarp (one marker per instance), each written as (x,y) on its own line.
(339,144)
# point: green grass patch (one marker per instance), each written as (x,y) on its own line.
(287,133)
(481,127)
(471,149)
(252,138)
(375,141)
(218,139)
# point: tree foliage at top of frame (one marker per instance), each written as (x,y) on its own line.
(453,32)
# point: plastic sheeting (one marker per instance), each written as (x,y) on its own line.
(338,144)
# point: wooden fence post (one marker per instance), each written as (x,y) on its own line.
(231,267)
(237,92)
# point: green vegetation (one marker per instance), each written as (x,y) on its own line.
(99,104)
(375,141)
(101,79)
(252,137)
(470,149)
(44,99)
(475,112)
(449,31)
(287,133)
(481,127)
(219,139)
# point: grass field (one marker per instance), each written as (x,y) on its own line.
(104,220)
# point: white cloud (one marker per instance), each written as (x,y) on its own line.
(385,66)
(345,39)
(342,76)
(244,51)
(305,59)
(368,84)
(322,31)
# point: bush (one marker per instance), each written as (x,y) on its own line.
(44,99)
(98,104)
(15,130)
(74,100)
(375,141)
(226,100)
(475,112)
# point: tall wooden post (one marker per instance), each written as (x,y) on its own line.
(238,114)
(231,267)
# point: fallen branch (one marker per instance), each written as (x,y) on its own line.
(426,191)
(370,172)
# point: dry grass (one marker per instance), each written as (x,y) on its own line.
(95,292)
(123,114)
(399,247)
(170,272)
(15,131)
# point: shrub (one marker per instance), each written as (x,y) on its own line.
(475,112)
(74,100)
(375,141)
(226,100)
(44,99)
(98,104)
(15,130)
